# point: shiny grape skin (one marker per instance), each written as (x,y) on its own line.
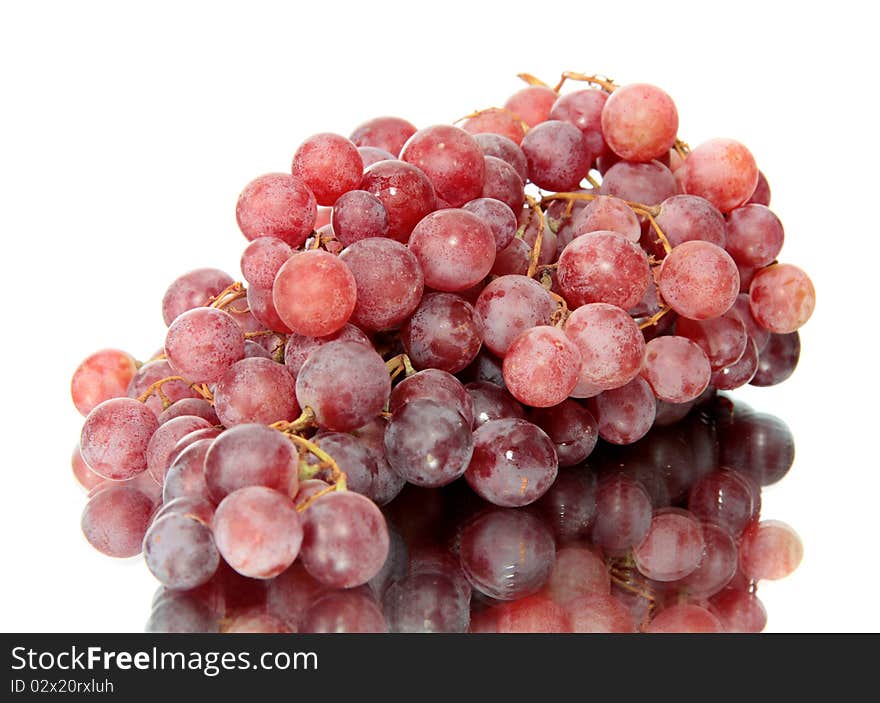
(495,121)
(428,443)
(256,390)
(717,567)
(257,531)
(611,345)
(351,456)
(437,385)
(738,373)
(251,455)
(604,267)
(782,298)
(723,339)
(739,611)
(532,104)
(758,445)
(778,360)
(455,248)
(163,441)
(725,497)
(359,215)
(299,346)
(623,514)
(506,150)
(115,437)
(639,122)
(192,438)
(646,183)
(583,109)
(186,475)
(103,375)
(513,259)
(388,133)
(179,551)
(699,280)
(572,429)
(262,258)
(346,384)
(345,539)
(541,366)
(754,235)
(389,282)
(569,506)
(625,414)
(444,332)
(276,205)
(406,193)
(116,518)
(607,213)
(451,159)
(508,306)
(387,484)
(202,343)
(513,464)
(502,183)
(314,293)
(677,369)
(672,548)
(192,290)
(498,216)
(761,196)
(492,402)
(507,554)
(329,165)
(684,218)
(558,155)
(722,171)
(770,549)
(262,307)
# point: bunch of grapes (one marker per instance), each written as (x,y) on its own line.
(485,301)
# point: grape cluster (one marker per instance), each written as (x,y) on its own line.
(483,302)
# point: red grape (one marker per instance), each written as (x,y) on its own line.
(611,346)
(723,172)
(672,548)
(625,414)
(541,366)
(256,390)
(782,298)
(770,550)
(532,104)
(558,155)
(115,438)
(192,290)
(277,205)
(699,280)
(329,165)
(677,369)
(103,375)
(443,333)
(388,133)
(754,235)
(639,122)
(506,150)
(299,346)
(495,121)
(405,192)
(203,343)
(262,258)
(451,159)
(115,520)
(359,215)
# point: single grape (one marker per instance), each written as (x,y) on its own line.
(506,554)
(699,280)
(611,346)
(492,402)
(726,498)
(180,551)
(276,205)
(451,160)
(761,196)
(405,192)
(115,437)
(163,442)
(351,456)
(103,375)
(506,150)
(346,539)
(572,429)
(498,215)
(609,214)
(426,602)
(346,384)
(623,514)
(625,414)
(359,215)
(646,183)
(604,267)
(513,463)
(777,361)
(782,298)
(154,371)
(115,520)
(723,172)
(329,165)
(558,155)
(307,489)
(532,105)
(262,258)
(760,446)
(502,183)
(256,390)
(685,218)
(203,343)
(677,369)
(192,290)
(289,595)
(770,549)
(495,121)
(754,235)
(436,385)
(513,259)
(298,346)
(314,293)
(672,548)
(257,531)
(428,443)
(639,122)
(192,438)
(508,306)
(542,366)
(251,455)
(723,339)
(388,133)
(389,282)
(444,332)
(262,307)
(756,333)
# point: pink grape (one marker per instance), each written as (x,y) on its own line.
(578,572)
(623,514)
(103,375)
(676,368)
(257,531)
(389,282)
(604,267)
(672,548)
(535,613)
(684,218)
(86,478)
(739,611)
(687,617)
(506,150)
(502,183)
(329,165)
(699,280)
(455,248)
(646,183)
(192,290)
(571,427)
(115,520)
(761,196)
(532,104)
(778,359)
(498,216)
(723,172)
(346,539)
(262,258)
(770,550)
(203,343)
(186,474)
(256,390)
(492,402)
(782,298)
(346,384)
(437,385)
(597,612)
(262,307)
(508,306)
(388,133)
(314,293)
(610,214)
(639,122)
(754,235)
(739,373)
(558,155)
(299,346)
(542,366)
(625,414)
(351,456)
(495,121)
(583,109)
(345,611)
(443,333)
(165,438)
(451,160)
(569,506)
(611,346)
(115,438)
(725,497)
(513,259)
(359,215)
(180,551)
(756,333)
(723,339)
(718,565)
(406,193)
(276,205)
(154,371)
(190,406)
(513,464)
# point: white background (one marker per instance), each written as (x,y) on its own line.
(128,130)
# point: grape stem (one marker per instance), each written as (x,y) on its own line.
(624,574)
(603,82)
(398,364)
(304,421)
(258,333)
(337,476)
(231,293)
(535,207)
(531,80)
(156,387)
(592,181)
(681,148)
(655,318)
